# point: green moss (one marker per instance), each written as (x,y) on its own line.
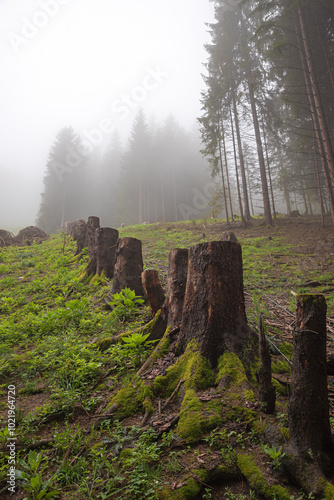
(126,454)
(196,417)
(193,368)
(329,491)
(259,427)
(278,492)
(231,370)
(285,433)
(257,481)
(104,344)
(189,491)
(280,388)
(132,398)
(286,348)
(280,367)
(99,279)
(162,347)
(253,474)
(213,411)
(249,396)
(239,413)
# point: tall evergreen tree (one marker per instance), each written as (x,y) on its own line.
(132,203)
(62,164)
(109,180)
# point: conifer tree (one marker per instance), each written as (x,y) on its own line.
(61,169)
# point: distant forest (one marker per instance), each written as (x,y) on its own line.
(266,132)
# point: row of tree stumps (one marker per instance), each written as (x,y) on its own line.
(114,257)
(205,302)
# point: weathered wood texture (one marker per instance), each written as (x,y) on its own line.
(128,266)
(214,305)
(106,241)
(309,424)
(267,393)
(92,224)
(176,286)
(153,290)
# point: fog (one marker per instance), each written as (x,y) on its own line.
(89,65)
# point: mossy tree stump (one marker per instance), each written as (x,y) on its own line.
(128,266)
(106,242)
(176,286)
(92,224)
(153,290)
(309,424)
(214,306)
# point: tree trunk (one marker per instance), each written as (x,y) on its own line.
(92,224)
(267,394)
(128,266)
(269,171)
(321,202)
(214,305)
(78,231)
(153,291)
(176,287)
(241,159)
(237,173)
(227,174)
(222,174)
(264,182)
(262,165)
(309,424)
(106,241)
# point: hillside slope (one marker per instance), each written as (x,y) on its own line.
(63,371)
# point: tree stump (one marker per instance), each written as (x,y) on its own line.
(128,266)
(228,236)
(176,286)
(78,231)
(153,290)
(267,393)
(92,224)
(214,305)
(106,242)
(309,424)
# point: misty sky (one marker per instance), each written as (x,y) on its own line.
(89,64)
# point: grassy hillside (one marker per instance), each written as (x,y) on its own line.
(54,352)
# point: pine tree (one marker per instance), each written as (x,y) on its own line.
(63,160)
(132,206)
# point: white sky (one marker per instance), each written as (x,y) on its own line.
(81,62)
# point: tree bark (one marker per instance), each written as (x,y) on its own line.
(92,224)
(214,305)
(236,172)
(269,171)
(176,286)
(128,266)
(222,172)
(309,424)
(106,241)
(227,173)
(153,290)
(267,393)
(241,158)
